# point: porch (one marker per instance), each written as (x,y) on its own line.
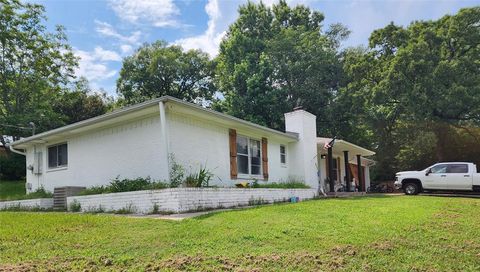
(338,166)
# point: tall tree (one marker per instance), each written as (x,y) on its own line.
(425,76)
(35,65)
(274,59)
(156,69)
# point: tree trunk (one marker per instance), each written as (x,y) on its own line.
(440,131)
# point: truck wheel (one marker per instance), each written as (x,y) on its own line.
(410,189)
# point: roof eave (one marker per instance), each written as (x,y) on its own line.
(150,103)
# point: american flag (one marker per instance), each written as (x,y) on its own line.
(327,145)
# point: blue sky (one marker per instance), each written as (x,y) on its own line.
(102,32)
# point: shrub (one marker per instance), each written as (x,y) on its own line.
(199,179)
(94,190)
(125,185)
(75,206)
(39,193)
(155,209)
(177,172)
(129,209)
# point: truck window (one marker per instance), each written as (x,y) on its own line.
(457,168)
(439,169)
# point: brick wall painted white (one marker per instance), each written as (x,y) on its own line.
(128,150)
(40,203)
(178,200)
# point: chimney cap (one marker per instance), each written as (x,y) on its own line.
(298,108)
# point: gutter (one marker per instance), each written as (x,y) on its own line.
(144,105)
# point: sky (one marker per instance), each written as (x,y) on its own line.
(103,32)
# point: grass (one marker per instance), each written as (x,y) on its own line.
(361,234)
(12,189)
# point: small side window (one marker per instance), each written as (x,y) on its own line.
(283,154)
(57,156)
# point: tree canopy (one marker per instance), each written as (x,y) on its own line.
(423,78)
(35,65)
(156,69)
(275,59)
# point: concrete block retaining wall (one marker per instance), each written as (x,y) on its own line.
(178,200)
(38,203)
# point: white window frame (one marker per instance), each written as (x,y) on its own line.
(284,154)
(250,175)
(58,167)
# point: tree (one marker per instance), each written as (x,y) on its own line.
(82,103)
(273,60)
(156,69)
(423,78)
(35,65)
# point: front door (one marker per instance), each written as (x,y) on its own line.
(437,179)
(458,177)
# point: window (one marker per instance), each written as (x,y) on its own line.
(249,157)
(439,169)
(283,154)
(457,168)
(57,156)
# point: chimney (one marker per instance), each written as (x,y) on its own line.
(303,153)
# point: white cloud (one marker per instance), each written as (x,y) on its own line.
(92,66)
(126,49)
(106,55)
(210,40)
(107,30)
(159,13)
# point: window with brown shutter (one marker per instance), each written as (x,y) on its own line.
(233,153)
(265,158)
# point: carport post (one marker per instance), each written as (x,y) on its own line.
(347,170)
(360,177)
(330,170)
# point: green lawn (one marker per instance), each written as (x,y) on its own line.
(371,234)
(11,189)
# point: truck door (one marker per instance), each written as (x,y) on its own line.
(458,177)
(437,179)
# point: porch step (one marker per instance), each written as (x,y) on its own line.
(60,195)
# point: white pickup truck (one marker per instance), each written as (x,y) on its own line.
(449,176)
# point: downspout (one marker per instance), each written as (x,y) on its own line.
(164,135)
(17,151)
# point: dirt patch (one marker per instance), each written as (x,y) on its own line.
(18,268)
(333,259)
(383,246)
(55,264)
(449,215)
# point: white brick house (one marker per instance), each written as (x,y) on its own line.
(139,141)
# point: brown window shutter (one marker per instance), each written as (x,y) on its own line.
(233,153)
(265,158)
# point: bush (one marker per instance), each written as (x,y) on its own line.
(39,193)
(177,172)
(12,167)
(200,179)
(75,206)
(125,185)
